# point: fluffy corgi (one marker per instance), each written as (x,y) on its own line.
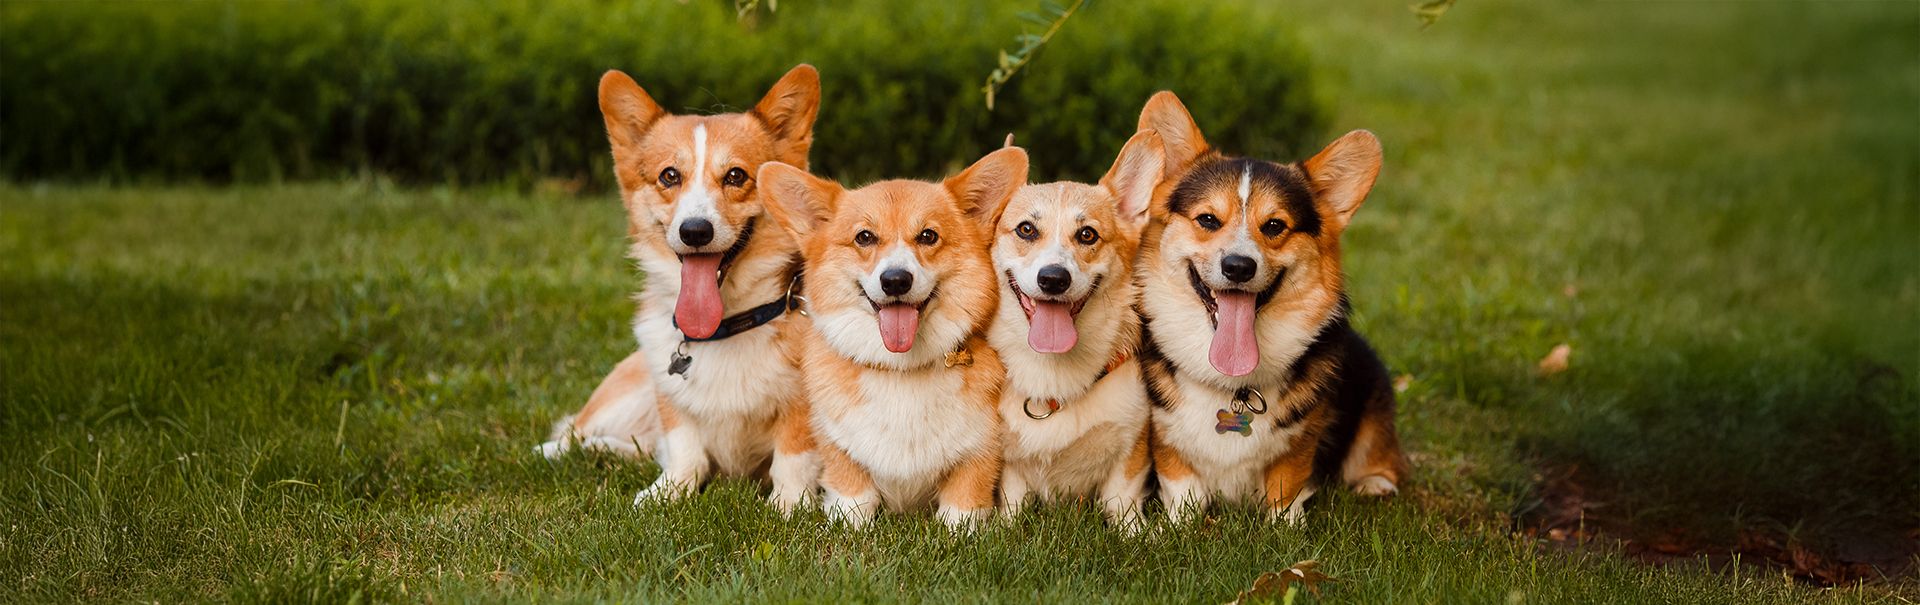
(714,385)
(1074,407)
(899,289)
(1260,387)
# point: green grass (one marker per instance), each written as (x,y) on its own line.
(321,392)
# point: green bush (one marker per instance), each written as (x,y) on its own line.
(459,92)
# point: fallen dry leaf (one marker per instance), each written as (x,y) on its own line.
(1273,584)
(1556,360)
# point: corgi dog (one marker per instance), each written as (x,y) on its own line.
(1260,386)
(714,386)
(899,289)
(1073,404)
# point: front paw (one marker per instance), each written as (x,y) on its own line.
(664,489)
(787,503)
(1295,513)
(963,519)
(1128,520)
(854,512)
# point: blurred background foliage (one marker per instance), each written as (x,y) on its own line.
(505,92)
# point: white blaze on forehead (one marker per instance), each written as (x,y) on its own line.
(1246,187)
(698,201)
(700,155)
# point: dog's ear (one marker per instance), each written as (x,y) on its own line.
(799,201)
(788,111)
(1342,174)
(984,188)
(1179,136)
(629,112)
(1134,176)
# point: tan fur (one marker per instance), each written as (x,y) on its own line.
(916,427)
(706,419)
(627,376)
(970,485)
(1167,462)
(1306,392)
(1136,462)
(1089,233)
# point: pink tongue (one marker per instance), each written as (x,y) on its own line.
(1050,330)
(1235,352)
(698,311)
(898,324)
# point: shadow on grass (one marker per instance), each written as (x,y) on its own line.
(1808,459)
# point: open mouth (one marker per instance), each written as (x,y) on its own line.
(1050,327)
(899,321)
(698,311)
(1235,350)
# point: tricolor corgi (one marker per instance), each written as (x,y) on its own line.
(714,385)
(1260,387)
(1074,407)
(899,289)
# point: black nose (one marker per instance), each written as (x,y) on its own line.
(896,282)
(1238,268)
(696,232)
(1054,279)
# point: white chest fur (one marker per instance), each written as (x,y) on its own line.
(731,390)
(908,429)
(1229,464)
(1072,451)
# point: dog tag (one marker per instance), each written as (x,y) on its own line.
(1233,422)
(677,366)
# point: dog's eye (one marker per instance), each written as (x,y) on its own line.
(669,178)
(1273,227)
(928,237)
(1087,236)
(1026,231)
(1208,222)
(865,238)
(734,178)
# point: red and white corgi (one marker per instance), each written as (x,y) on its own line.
(899,289)
(1261,388)
(1075,409)
(714,385)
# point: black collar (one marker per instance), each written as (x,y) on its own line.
(752,318)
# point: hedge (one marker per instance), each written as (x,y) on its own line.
(470,92)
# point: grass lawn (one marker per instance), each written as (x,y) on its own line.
(321,391)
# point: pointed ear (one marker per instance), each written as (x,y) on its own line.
(788,111)
(628,112)
(983,188)
(1135,175)
(799,201)
(1179,136)
(1342,174)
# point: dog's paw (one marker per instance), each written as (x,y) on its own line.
(787,504)
(963,520)
(662,490)
(551,450)
(1127,520)
(1294,514)
(1375,485)
(854,512)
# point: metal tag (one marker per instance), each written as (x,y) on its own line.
(1233,422)
(678,365)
